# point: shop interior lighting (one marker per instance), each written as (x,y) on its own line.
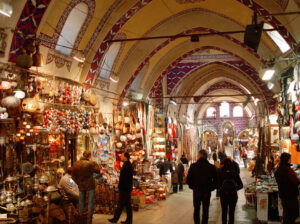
(270,85)
(125,103)
(268,74)
(6,9)
(114,78)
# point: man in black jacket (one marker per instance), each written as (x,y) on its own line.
(202,179)
(288,183)
(125,188)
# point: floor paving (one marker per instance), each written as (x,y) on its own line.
(178,209)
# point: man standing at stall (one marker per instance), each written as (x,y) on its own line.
(125,188)
(288,184)
(202,179)
(82,174)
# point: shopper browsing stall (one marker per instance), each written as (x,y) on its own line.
(288,184)
(82,174)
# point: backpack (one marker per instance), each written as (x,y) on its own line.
(229,187)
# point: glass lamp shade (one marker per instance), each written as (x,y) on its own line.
(19,94)
(5,85)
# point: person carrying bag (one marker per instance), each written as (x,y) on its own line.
(229,183)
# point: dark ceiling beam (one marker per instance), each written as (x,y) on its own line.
(230,95)
(181,36)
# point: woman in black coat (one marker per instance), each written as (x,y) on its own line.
(229,183)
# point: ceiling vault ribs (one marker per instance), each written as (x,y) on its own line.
(140,4)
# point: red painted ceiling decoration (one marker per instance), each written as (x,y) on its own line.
(27,25)
(105,44)
(223,85)
(51,42)
(165,43)
(239,65)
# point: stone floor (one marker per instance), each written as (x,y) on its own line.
(178,209)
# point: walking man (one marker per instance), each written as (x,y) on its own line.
(180,174)
(125,188)
(236,155)
(82,174)
(244,155)
(288,184)
(202,179)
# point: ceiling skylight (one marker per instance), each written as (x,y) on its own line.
(277,38)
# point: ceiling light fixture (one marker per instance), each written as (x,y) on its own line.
(270,85)
(268,74)
(125,103)
(78,56)
(79,59)
(114,78)
(173,101)
(194,38)
(6,9)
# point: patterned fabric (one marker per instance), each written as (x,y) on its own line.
(27,25)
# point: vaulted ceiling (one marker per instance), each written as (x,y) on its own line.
(217,64)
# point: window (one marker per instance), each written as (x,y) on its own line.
(71,28)
(211,112)
(238,111)
(109,59)
(277,38)
(224,110)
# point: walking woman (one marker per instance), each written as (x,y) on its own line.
(229,183)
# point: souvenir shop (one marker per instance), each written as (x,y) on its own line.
(46,124)
(281,135)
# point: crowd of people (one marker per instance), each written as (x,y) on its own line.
(203,177)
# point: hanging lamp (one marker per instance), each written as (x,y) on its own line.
(37,57)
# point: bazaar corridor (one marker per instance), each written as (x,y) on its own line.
(178,209)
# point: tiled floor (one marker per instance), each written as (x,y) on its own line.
(178,209)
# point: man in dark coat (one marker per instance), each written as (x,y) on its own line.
(229,198)
(214,156)
(184,160)
(82,174)
(180,174)
(125,188)
(288,183)
(165,167)
(202,179)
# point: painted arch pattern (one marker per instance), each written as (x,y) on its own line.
(239,65)
(52,41)
(27,25)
